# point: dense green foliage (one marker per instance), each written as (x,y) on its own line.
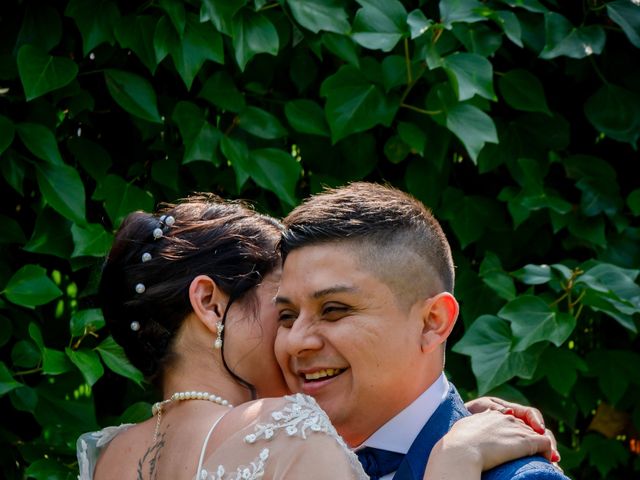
(516,121)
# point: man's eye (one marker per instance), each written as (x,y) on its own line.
(286,318)
(334,311)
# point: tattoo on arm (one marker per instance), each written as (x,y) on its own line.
(151,457)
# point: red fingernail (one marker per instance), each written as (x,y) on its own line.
(555,457)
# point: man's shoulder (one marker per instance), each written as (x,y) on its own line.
(528,468)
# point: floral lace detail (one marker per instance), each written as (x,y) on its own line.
(252,471)
(83,460)
(301,416)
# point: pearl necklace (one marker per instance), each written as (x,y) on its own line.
(157,407)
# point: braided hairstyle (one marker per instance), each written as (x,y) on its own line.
(227,241)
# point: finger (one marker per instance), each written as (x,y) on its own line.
(530,415)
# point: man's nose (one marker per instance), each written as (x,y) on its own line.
(304,337)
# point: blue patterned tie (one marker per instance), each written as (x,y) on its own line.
(378,463)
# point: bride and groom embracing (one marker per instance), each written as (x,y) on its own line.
(353,298)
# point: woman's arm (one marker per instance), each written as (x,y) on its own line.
(480,442)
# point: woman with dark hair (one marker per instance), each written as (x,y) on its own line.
(188,294)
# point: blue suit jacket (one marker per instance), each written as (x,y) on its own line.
(450,411)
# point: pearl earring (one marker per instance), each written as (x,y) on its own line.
(218,343)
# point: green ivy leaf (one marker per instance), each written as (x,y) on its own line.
(605,454)
(87,362)
(40,141)
(275,170)
(534,274)
(90,240)
(306,116)
(30,286)
(559,366)
(325,15)
(93,158)
(354,104)
(133,93)
(51,235)
(533,321)
(96,20)
(418,23)
(261,123)
(237,153)
(470,74)
(219,90)
(199,136)
(523,91)
(114,358)
(221,12)
(467,11)
(477,38)
(54,362)
(394,72)
(82,321)
(615,369)
(531,5)
(633,201)
(136,32)
(253,33)
(165,39)
(201,42)
(26,353)
(563,39)
(7,132)
(625,14)
(7,382)
(63,189)
(40,28)
(488,343)
(380,24)
(41,73)
(343,46)
(176,12)
(122,198)
(48,469)
(473,127)
(467,215)
(136,413)
(413,136)
(615,111)
(496,278)
(510,24)
(396,149)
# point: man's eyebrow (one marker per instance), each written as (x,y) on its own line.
(322,293)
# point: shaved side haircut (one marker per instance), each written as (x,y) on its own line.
(392,234)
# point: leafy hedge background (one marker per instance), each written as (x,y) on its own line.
(516,121)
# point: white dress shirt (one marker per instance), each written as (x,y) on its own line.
(399,433)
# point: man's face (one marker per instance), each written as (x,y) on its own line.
(345,339)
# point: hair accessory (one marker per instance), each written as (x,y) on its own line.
(169,221)
(162,218)
(146,256)
(157,233)
(140,288)
(135,326)
(218,343)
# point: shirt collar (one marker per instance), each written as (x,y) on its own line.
(398,434)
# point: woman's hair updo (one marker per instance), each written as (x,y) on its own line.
(227,241)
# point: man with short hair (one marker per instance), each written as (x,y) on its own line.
(365,307)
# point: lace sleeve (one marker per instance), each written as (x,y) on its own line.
(290,437)
(90,445)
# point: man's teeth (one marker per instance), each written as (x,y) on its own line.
(329,372)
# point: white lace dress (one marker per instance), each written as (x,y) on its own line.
(285,438)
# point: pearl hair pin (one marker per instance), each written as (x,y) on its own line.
(135,326)
(140,288)
(146,256)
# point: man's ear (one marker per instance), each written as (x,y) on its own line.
(207,301)
(439,314)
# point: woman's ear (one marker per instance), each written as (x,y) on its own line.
(207,301)
(439,316)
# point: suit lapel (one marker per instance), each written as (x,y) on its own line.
(415,461)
